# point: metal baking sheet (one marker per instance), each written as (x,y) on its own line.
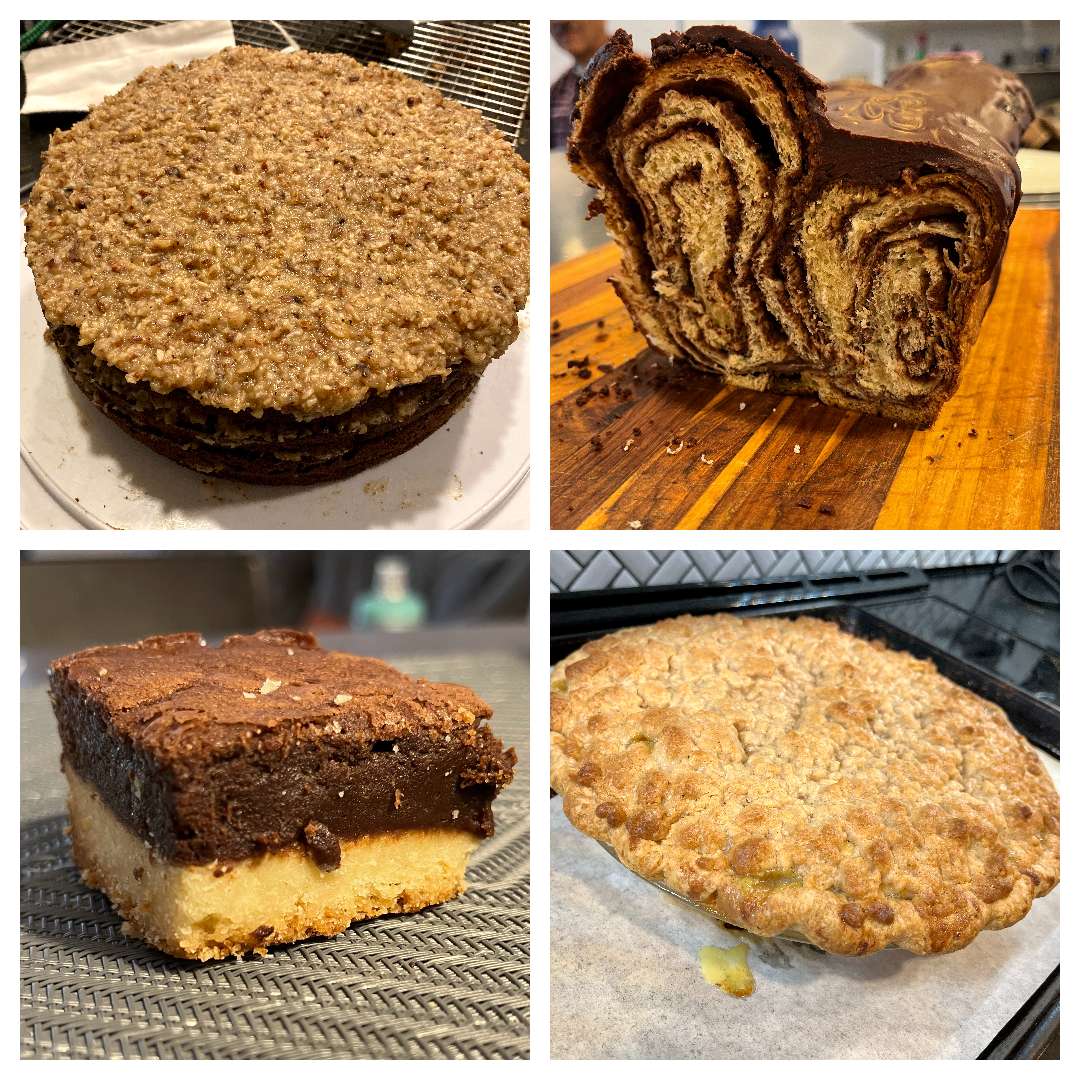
(448,982)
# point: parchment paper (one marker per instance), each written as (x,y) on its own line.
(72,77)
(625,980)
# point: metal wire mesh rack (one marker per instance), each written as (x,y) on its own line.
(481,64)
(451,981)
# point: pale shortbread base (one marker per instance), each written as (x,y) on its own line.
(228,909)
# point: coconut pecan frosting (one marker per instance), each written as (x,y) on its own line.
(797,780)
(288,232)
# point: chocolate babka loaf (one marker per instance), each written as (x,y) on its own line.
(841,240)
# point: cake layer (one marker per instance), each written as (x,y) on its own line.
(273,447)
(230,908)
(269,742)
(840,241)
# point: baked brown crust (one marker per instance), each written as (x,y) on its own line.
(282,231)
(797,780)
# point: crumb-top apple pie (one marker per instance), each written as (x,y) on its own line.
(797,780)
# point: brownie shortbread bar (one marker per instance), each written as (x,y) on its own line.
(226,799)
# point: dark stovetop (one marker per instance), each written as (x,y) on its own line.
(976,615)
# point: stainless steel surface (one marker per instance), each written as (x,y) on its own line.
(482,64)
(448,982)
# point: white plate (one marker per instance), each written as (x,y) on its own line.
(97,476)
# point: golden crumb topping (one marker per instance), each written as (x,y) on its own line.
(282,231)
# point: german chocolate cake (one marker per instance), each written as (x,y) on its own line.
(279,268)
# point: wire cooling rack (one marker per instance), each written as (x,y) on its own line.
(448,982)
(482,64)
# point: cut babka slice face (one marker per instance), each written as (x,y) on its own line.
(841,241)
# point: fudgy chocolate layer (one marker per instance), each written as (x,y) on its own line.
(270,741)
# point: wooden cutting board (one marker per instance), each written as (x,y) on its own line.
(638,441)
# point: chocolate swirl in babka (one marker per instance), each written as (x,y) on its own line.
(840,240)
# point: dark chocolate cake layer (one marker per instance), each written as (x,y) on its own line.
(840,241)
(270,742)
(273,448)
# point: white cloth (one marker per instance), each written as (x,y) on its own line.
(71,78)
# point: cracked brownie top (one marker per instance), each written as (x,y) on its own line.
(797,780)
(282,231)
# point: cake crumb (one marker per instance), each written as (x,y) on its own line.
(742,405)
(270,686)
(103,671)
(343,699)
(708,461)
(798,449)
(635,524)
(249,695)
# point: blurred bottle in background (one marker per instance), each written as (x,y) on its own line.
(391,604)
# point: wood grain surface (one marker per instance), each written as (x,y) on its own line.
(639,441)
